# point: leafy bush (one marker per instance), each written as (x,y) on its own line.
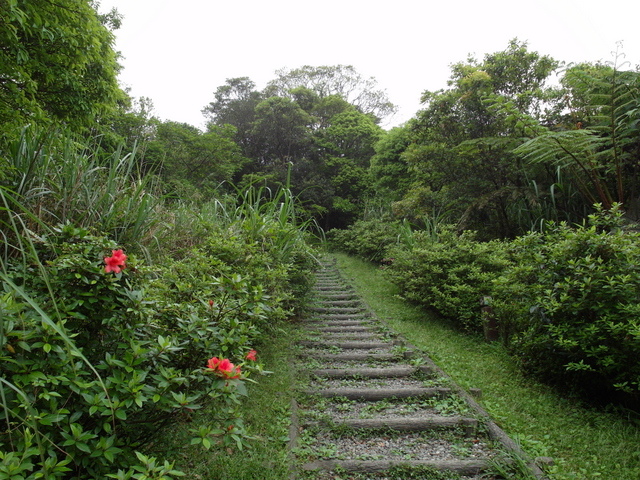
(448,272)
(97,359)
(571,304)
(368,239)
(89,376)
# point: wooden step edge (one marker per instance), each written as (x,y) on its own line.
(461,467)
(374,394)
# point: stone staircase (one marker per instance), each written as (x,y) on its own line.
(370,406)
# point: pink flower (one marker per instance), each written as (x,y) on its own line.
(116,262)
(228,369)
(251,355)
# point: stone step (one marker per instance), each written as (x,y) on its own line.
(339,296)
(413,424)
(375,394)
(338,319)
(338,310)
(338,304)
(348,345)
(350,336)
(342,320)
(359,328)
(357,357)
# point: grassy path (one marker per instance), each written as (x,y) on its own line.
(585,443)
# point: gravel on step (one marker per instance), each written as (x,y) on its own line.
(407,446)
(398,382)
(340,411)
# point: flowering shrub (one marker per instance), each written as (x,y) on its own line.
(116,262)
(97,357)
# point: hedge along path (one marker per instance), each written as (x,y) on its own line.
(371,406)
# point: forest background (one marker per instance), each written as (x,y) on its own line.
(503,187)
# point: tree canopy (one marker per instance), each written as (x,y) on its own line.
(339,80)
(57,63)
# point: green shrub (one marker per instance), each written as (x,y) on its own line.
(571,302)
(368,239)
(448,272)
(92,365)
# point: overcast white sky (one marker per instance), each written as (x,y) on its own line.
(178,52)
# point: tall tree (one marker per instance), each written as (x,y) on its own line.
(234,104)
(280,132)
(599,145)
(340,80)
(191,161)
(57,63)
(389,168)
(304,128)
(463,155)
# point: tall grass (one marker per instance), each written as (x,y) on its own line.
(52,176)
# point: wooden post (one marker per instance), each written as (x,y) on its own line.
(489,322)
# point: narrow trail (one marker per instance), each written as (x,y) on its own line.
(370,406)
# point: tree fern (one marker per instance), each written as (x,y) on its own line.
(607,102)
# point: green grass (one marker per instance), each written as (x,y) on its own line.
(585,443)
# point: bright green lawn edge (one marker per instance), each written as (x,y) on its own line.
(584,442)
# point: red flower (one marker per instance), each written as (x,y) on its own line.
(116,262)
(223,368)
(212,363)
(251,355)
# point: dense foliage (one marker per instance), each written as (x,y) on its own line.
(101,350)
(128,260)
(312,128)
(57,64)
(569,305)
(565,300)
(499,154)
(448,272)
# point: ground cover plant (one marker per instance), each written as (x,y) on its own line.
(586,443)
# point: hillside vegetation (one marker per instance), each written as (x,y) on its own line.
(145,263)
